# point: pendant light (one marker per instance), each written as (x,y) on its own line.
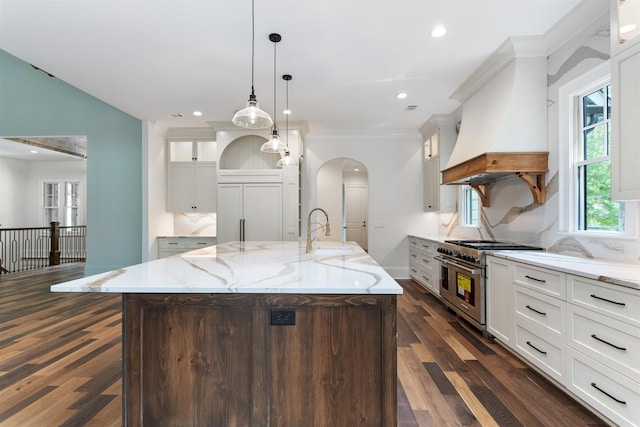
(274,145)
(287,160)
(252,117)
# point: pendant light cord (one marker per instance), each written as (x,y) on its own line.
(287,116)
(275,113)
(253,42)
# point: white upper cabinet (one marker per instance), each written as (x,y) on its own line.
(439,138)
(625,99)
(188,151)
(625,24)
(191,176)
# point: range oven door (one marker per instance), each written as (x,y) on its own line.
(463,289)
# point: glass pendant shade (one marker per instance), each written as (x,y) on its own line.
(252,117)
(274,145)
(287,160)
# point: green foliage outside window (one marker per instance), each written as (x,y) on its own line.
(596,209)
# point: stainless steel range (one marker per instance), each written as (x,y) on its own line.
(462,275)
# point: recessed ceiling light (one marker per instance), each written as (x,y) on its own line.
(401,95)
(197,113)
(438,31)
(627,28)
(356,170)
(286,112)
(34,151)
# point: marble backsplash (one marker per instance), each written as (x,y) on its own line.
(194,224)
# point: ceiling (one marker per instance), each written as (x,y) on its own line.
(349,58)
(38,149)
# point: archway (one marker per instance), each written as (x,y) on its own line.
(343,191)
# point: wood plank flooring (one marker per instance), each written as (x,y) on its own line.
(60,363)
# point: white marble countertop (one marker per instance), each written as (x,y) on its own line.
(617,273)
(435,239)
(249,267)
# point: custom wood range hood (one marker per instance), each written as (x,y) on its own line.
(481,171)
(503,132)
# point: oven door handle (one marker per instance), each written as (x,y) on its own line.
(474,271)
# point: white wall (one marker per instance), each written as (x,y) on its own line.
(394,166)
(72,170)
(13,179)
(156,221)
(329,178)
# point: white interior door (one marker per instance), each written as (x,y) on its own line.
(356,210)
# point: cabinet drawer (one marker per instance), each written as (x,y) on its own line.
(614,301)
(548,281)
(609,341)
(427,247)
(172,242)
(544,354)
(414,271)
(200,242)
(546,313)
(427,263)
(414,242)
(612,394)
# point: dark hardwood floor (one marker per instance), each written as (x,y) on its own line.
(60,363)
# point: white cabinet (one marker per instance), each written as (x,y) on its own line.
(583,333)
(424,268)
(625,99)
(168,246)
(191,187)
(188,150)
(499,299)
(603,337)
(439,138)
(625,126)
(249,211)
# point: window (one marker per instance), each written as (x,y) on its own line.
(592,168)
(585,174)
(61,203)
(470,207)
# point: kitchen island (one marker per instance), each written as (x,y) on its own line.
(256,333)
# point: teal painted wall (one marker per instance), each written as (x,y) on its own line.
(34,104)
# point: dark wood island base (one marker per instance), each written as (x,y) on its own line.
(218,360)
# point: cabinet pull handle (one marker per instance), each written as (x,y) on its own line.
(425,260)
(607,300)
(595,337)
(173,243)
(537,280)
(536,311)
(535,348)
(622,402)
(414,255)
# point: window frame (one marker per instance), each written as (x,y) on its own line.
(464,207)
(569,129)
(61,198)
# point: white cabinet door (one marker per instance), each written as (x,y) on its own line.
(205,187)
(229,212)
(180,188)
(191,187)
(625,130)
(499,293)
(255,206)
(262,212)
(432,185)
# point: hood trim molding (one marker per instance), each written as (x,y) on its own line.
(482,171)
